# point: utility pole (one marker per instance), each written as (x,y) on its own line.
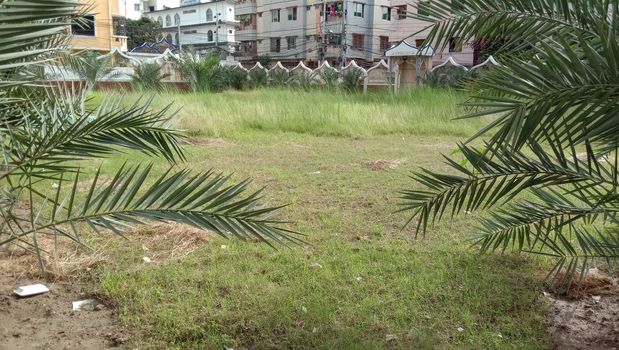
(216,27)
(343,36)
(323,23)
(178,29)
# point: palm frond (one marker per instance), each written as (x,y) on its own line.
(205,201)
(495,177)
(54,135)
(518,25)
(32,28)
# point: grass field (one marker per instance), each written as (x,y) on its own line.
(362,282)
(319,113)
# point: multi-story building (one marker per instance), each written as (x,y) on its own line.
(102,27)
(133,8)
(335,31)
(202,24)
(156,5)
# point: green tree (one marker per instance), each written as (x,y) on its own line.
(142,30)
(548,168)
(148,76)
(89,66)
(45,140)
(203,73)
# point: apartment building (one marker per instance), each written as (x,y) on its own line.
(202,24)
(333,31)
(102,27)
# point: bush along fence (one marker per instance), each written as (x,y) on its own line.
(187,71)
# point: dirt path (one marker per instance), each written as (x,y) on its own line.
(48,322)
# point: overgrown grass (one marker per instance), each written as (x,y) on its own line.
(362,282)
(319,113)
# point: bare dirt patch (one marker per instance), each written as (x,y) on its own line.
(48,322)
(206,141)
(587,318)
(382,164)
(163,242)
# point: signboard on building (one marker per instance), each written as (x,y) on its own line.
(189,2)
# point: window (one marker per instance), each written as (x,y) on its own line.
(292,13)
(229,31)
(422,8)
(386,13)
(455,45)
(401,12)
(168,21)
(275,15)
(419,42)
(160,21)
(119,24)
(136,7)
(291,42)
(275,44)
(209,35)
(169,37)
(384,42)
(334,39)
(209,15)
(177,39)
(358,9)
(177,19)
(357,41)
(85,25)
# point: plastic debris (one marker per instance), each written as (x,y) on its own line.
(314,265)
(146,260)
(359,279)
(596,298)
(30,290)
(460,329)
(85,305)
(390,337)
(314,173)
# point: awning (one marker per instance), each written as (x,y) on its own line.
(405,49)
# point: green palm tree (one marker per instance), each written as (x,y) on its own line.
(44,141)
(148,76)
(548,168)
(89,67)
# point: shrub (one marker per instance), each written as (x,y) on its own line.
(279,77)
(257,78)
(446,77)
(237,78)
(350,80)
(329,77)
(203,73)
(148,76)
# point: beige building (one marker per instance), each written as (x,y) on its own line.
(334,31)
(103,27)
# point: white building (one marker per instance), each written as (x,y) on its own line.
(203,24)
(335,31)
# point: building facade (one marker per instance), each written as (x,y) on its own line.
(202,24)
(335,31)
(102,27)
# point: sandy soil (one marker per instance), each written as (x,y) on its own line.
(48,322)
(587,318)
(586,323)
